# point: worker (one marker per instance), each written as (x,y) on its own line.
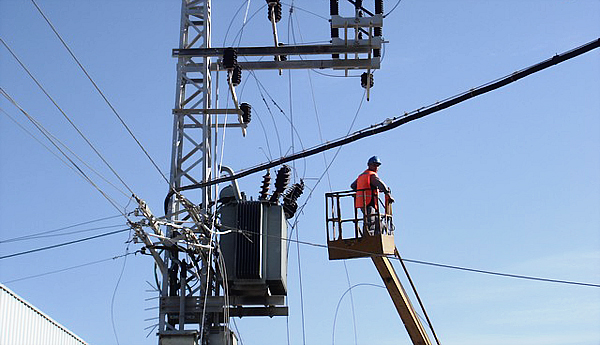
(367,187)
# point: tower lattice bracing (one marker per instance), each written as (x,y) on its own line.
(189,276)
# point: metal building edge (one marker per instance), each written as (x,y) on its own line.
(21,323)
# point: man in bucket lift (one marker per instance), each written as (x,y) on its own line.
(367,187)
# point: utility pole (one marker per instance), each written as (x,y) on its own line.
(202,281)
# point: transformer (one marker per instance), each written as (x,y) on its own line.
(254,250)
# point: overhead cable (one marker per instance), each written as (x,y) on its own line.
(101,93)
(508,275)
(65,115)
(44,132)
(63,244)
(67,268)
(414,289)
(421,262)
(34,237)
(393,8)
(395,122)
(39,234)
(51,137)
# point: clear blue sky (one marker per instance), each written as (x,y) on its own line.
(506,182)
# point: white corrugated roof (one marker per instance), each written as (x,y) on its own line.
(21,323)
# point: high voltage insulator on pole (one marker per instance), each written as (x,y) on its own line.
(246,112)
(274,6)
(229,58)
(334,10)
(264,189)
(281,182)
(236,75)
(378,30)
(378,6)
(290,199)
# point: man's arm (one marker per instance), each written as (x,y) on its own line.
(377,183)
(354,184)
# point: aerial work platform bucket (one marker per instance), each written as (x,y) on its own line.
(364,233)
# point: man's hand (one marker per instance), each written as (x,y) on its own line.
(390,198)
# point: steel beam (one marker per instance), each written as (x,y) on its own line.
(361,47)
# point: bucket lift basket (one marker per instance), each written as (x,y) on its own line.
(357,234)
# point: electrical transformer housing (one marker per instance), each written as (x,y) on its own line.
(254,252)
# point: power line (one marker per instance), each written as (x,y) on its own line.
(57,230)
(101,93)
(34,237)
(393,8)
(112,301)
(421,262)
(63,244)
(509,275)
(51,137)
(337,308)
(395,122)
(65,115)
(48,136)
(66,269)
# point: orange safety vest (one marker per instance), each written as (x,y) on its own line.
(364,191)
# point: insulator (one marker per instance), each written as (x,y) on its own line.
(289,208)
(378,6)
(229,58)
(377,33)
(274,6)
(281,182)
(363,80)
(358,4)
(236,75)
(290,198)
(334,7)
(264,189)
(246,112)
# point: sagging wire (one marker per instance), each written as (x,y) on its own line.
(56,142)
(103,96)
(332,160)
(65,115)
(65,147)
(112,301)
(34,237)
(440,265)
(304,10)
(46,233)
(349,290)
(414,289)
(269,111)
(239,33)
(62,244)
(233,19)
(393,8)
(67,268)
(295,130)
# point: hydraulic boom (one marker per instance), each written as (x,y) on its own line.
(400,298)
